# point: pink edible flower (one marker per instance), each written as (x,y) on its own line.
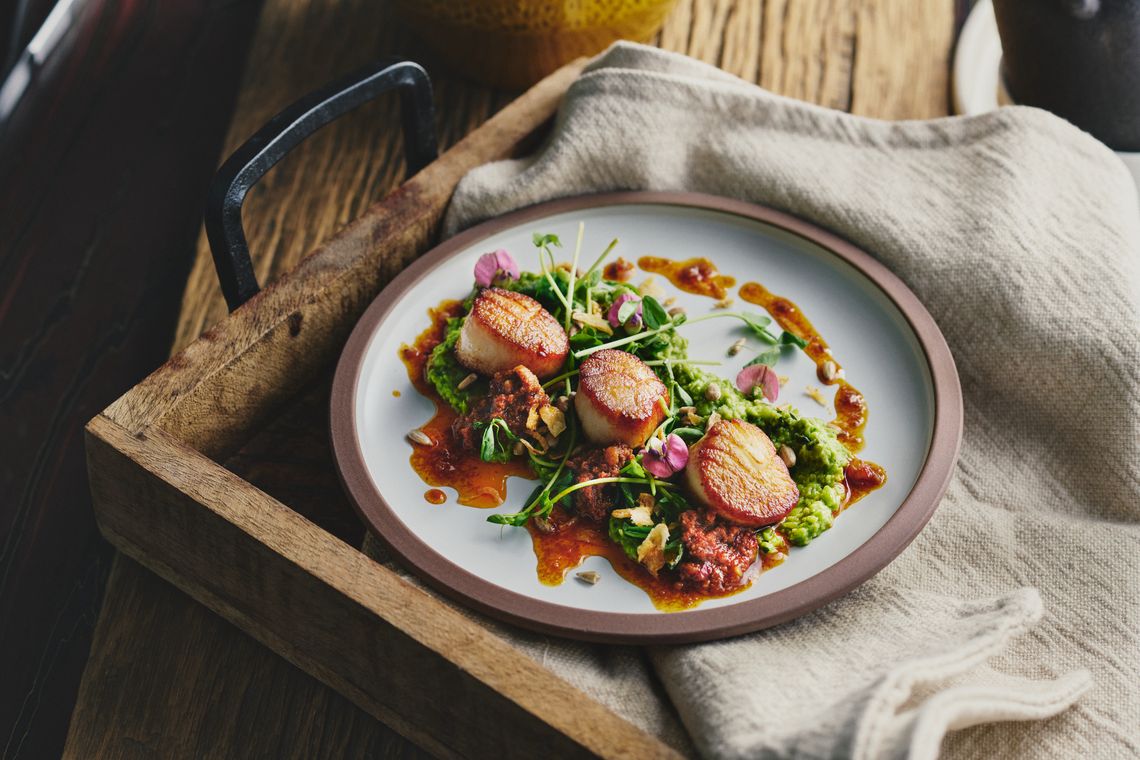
(491,266)
(759,375)
(615,319)
(663,459)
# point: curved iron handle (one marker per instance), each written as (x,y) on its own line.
(285,131)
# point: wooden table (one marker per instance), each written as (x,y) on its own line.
(168,678)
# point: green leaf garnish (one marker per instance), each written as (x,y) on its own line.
(547,240)
(539,503)
(683,394)
(497,440)
(654,313)
(788,339)
(768,358)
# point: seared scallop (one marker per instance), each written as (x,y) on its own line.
(735,471)
(619,399)
(506,329)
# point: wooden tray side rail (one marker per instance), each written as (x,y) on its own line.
(432,673)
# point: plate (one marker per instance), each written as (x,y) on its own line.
(888,344)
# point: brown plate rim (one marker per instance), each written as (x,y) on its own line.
(688,626)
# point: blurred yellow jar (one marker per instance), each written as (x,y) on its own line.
(514,43)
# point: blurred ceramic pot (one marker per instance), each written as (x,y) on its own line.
(1079,59)
(514,43)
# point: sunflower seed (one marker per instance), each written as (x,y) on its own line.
(589,576)
(788,455)
(829,371)
(737,347)
(466,382)
(712,392)
(420,437)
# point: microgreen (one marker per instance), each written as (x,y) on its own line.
(654,313)
(683,394)
(543,244)
(497,440)
(598,261)
(626,340)
(540,503)
(788,339)
(629,537)
(601,481)
(767,358)
(757,325)
(573,273)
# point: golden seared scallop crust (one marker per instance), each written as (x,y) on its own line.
(735,471)
(506,329)
(619,399)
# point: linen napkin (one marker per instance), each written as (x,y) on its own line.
(1017,610)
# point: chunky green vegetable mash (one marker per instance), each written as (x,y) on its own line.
(820,457)
(445,372)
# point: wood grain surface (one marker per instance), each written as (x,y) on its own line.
(103,166)
(883,58)
(237,700)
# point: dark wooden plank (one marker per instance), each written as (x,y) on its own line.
(402,654)
(102,172)
(291,458)
(237,699)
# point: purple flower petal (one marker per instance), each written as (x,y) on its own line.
(490,266)
(507,264)
(664,460)
(676,452)
(759,375)
(615,318)
(655,465)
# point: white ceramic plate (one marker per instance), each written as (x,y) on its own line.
(888,345)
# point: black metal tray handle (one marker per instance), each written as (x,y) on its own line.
(285,131)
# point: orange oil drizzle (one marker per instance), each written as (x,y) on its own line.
(850,405)
(445,462)
(618,270)
(698,276)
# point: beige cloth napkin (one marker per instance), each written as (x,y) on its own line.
(1017,611)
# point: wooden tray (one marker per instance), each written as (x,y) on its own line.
(184,468)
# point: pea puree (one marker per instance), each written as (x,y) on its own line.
(820,457)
